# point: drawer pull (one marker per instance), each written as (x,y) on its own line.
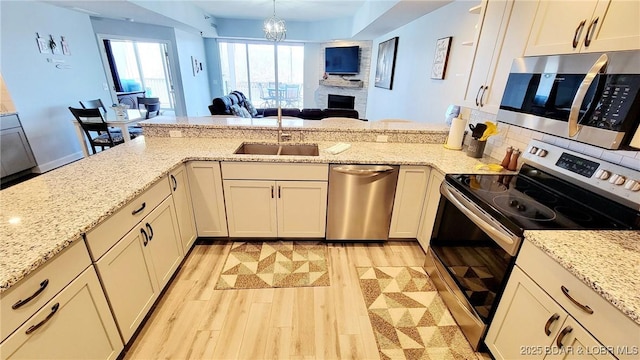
(20,303)
(563,333)
(144,204)
(146,237)
(584,308)
(175,182)
(35,327)
(150,231)
(553,318)
(577,33)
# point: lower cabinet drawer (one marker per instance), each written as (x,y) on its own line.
(75,324)
(608,324)
(31,293)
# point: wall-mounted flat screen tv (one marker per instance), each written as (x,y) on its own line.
(342,60)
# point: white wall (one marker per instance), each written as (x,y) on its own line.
(42,92)
(415,96)
(197,93)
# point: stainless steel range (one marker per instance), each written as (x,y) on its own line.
(482,220)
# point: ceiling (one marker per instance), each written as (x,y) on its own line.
(381,15)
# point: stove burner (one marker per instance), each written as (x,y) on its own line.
(485,183)
(541,196)
(521,207)
(574,214)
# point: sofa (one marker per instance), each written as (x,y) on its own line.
(236,104)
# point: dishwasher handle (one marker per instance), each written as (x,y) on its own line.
(371,170)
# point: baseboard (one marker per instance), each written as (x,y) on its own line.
(43,168)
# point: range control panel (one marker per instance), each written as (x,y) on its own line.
(600,176)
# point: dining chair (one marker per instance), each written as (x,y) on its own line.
(134,131)
(96,129)
(292,95)
(266,96)
(151,105)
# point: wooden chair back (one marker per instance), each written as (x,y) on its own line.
(95,128)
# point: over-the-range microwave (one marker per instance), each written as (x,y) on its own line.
(591,98)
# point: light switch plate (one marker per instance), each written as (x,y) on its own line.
(175,133)
(382,138)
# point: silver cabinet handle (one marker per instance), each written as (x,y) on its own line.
(584,308)
(576,35)
(503,239)
(599,66)
(365,171)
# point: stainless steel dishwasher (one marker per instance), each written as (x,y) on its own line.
(360,202)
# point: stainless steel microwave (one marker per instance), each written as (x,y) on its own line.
(591,98)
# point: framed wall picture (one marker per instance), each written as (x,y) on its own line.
(440,58)
(385,67)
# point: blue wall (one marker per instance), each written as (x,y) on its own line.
(41,91)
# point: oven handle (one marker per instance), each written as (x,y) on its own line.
(507,241)
(599,66)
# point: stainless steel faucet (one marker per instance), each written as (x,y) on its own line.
(281,136)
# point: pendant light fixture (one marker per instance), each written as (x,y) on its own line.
(274,27)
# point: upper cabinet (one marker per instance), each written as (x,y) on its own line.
(502,32)
(565,27)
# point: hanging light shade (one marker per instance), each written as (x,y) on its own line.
(274,27)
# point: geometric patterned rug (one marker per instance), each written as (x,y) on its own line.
(253,265)
(409,319)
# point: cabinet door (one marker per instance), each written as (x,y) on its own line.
(205,183)
(556,25)
(577,343)
(430,208)
(251,208)
(16,153)
(129,281)
(163,246)
(526,322)
(301,208)
(495,18)
(81,327)
(615,26)
(408,202)
(184,210)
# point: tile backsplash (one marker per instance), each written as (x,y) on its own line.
(518,137)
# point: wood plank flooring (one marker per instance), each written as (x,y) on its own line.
(195,321)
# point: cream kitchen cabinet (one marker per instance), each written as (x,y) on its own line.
(565,27)
(75,324)
(205,183)
(545,312)
(260,208)
(430,208)
(501,36)
(275,199)
(138,267)
(408,202)
(180,192)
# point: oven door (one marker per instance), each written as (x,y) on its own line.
(469,259)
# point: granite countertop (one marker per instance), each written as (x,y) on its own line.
(293,123)
(606,261)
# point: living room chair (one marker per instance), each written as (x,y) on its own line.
(151,105)
(96,129)
(134,131)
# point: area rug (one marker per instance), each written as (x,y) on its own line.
(253,265)
(409,319)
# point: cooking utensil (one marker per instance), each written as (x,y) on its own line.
(491,130)
(477,130)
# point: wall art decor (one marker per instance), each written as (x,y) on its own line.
(385,67)
(440,59)
(43,45)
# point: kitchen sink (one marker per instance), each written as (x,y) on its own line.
(275,149)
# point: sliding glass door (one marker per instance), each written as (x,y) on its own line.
(267,77)
(141,68)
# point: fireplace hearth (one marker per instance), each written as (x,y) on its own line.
(341,102)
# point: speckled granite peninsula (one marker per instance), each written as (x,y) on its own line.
(42,216)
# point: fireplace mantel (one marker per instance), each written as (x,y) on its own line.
(342,83)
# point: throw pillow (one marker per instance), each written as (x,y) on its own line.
(236,110)
(252,109)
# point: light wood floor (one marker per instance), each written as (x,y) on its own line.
(194,321)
